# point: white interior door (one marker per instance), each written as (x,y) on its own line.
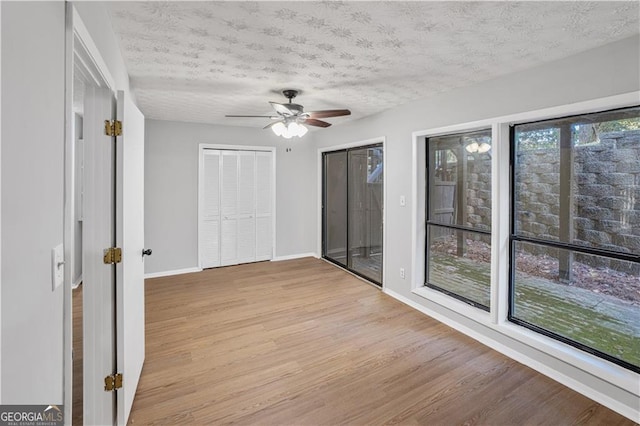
(130,238)
(210,209)
(98,278)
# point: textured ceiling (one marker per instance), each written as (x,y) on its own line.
(197,61)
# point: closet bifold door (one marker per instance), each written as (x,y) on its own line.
(210,232)
(236,219)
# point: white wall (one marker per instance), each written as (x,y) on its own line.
(33,38)
(171,190)
(609,70)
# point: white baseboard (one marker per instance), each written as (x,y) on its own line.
(196,269)
(173,272)
(77,282)
(294,256)
(553,373)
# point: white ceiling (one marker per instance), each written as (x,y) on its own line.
(197,61)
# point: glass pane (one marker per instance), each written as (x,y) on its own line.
(365,211)
(577,180)
(335,206)
(459,262)
(460,179)
(589,299)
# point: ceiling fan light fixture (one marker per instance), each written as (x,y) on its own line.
(288,129)
(293,128)
(290,117)
(279,128)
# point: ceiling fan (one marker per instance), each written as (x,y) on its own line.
(291,118)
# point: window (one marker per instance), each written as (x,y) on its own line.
(575,232)
(458,252)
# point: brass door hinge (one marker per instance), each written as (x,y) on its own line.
(113,382)
(112,127)
(112,255)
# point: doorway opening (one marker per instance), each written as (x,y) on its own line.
(104,238)
(353,209)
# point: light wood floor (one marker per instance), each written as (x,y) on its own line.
(303,343)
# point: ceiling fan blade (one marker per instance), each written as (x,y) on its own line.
(317,123)
(281,109)
(329,113)
(268,126)
(253,116)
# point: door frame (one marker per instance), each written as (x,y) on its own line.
(80,49)
(223,147)
(320,194)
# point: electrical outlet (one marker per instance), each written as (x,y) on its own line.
(57,266)
(402,273)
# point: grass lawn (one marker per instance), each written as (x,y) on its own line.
(600,321)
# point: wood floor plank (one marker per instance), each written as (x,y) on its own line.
(302,342)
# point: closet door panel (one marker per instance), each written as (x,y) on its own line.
(229,201)
(246,239)
(246,206)
(264,188)
(228,242)
(264,208)
(246,183)
(210,245)
(210,222)
(264,244)
(229,189)
(211,192)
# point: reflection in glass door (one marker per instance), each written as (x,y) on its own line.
(334,220)
(353,210)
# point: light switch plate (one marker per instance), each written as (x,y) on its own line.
(57,266)
(403,201)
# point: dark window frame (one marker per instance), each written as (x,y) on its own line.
(455,227)
(514,238)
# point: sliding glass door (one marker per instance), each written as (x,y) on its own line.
(353,210)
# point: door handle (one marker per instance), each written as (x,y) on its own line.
(146,252)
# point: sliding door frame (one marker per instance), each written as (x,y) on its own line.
(320,218)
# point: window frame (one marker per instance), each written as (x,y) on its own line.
(493,329)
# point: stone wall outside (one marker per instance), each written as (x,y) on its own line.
(605,193)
